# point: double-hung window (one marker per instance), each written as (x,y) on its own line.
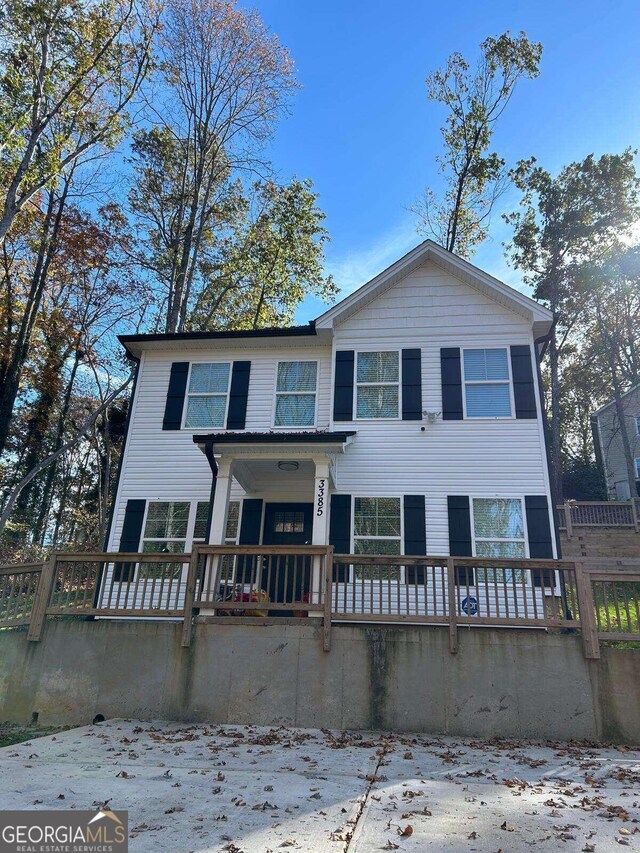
(638,425)
(165,532)
(296,386)
(487,383)
(377,529)
(207,395)
(377,384)
(638,467)
(228,561)
(498,529)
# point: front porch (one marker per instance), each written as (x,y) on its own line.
(599,598)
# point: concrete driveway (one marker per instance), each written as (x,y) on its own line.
(250,789)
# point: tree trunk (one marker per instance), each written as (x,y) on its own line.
(555,420)
(19,355)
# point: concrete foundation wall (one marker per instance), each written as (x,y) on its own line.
(501,682)
(607,542)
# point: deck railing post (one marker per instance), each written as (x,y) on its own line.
(42,598)
(452,608)
(328,588)
(586,604)
(568,520)
(189,597)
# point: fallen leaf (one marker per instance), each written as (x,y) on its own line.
(406,832)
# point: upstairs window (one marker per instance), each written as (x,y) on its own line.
(638,425)
(377,384)
(487,383)
(377,529)
(207,395)
(638,467)
(498,529)
(296,393)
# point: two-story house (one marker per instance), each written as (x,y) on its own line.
(404,420)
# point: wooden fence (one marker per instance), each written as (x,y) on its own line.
(598,514)
(598,598)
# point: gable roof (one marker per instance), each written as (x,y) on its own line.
(631,390)
(539,317)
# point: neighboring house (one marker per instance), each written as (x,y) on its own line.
(608,440)
(404,420)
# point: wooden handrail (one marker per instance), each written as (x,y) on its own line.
(563,594)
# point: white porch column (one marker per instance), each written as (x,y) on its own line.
(221,502)
(218,526)
(320,533)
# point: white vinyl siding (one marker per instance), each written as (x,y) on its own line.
(207,395)
(296,387)
(377,385)
(487,383)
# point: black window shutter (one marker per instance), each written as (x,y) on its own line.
(451,376)
(340,532)
(129,538)
(539,530)
(237,414)
(343,386)
(411,385)
(175,395)
(460,534)
(250,527)
(415,535)
(524,392)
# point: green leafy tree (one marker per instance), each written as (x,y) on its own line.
(224,81)
(68,71)
(475,176)
(271,258)
(565,225)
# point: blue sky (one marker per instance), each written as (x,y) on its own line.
(363,130)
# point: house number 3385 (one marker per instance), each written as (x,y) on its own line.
(320,498)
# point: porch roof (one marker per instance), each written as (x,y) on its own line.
(243,447)
(324,437)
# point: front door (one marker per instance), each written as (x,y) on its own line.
(288,577)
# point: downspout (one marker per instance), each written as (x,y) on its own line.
(208,452)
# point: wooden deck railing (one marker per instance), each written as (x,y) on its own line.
(600,598)
(598,514)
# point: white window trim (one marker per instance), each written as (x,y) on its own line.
(207,394)
(290,427)
(508,381)
(357,384)
(637,461)
(352,574)
(475,539)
